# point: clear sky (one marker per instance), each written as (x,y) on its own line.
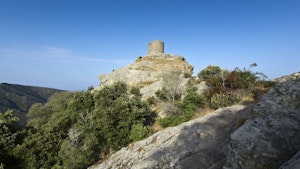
(66,44)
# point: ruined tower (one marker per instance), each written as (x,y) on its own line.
(155,47)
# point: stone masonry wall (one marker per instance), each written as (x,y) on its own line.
(155,47)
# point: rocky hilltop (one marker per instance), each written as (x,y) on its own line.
(259,136)
(147,71)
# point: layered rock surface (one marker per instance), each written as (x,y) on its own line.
(264,135)
(147,72)
(272,135)
(199,143)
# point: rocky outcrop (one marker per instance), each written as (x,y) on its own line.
(199,143)
(265,143)
(147,72)
(272,135)
(264,135)
(293,163)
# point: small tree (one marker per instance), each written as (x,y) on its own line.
(172,83)
(215,77)
(210,72)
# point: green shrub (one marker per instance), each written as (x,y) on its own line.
(214,77)
(210,72)
(185,109)
(139,132)
(171,121)
(151,100)
(222,100)
(239,79)
(116,112)
(161,94)
(187,75)
(192,97)
(135,91)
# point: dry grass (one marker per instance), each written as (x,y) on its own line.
(146,83)
(156,127)
(200,112)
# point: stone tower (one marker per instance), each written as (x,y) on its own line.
(155,47)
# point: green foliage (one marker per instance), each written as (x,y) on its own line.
(239,79)
(214,77)
(51,114)
(135,91)
(193,98)
(222,82)
(50,135)
(39,149)
(161,94)
(139,131)
(117,113)
(80,149)
(72,128)
(187,75)
(222,100)
(151,100)
(75,129)
(172,85)
(190,103)
(10,136)
(20,98)
(210,73)
(172,120)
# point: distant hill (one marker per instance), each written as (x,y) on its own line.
(20,98)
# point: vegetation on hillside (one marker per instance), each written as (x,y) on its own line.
(20,98)
(77,129)
(225,88)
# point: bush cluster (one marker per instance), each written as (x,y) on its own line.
(187,107)
(223,82)
(223,100)
(73,128)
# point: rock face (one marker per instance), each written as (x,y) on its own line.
(260,136)
(147,71)
(199,143)
(293,163)
(272,135)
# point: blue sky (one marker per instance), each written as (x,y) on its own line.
(66,44)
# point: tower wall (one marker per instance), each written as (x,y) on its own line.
(155,47)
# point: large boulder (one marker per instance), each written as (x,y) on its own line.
(293,163)
(272,135)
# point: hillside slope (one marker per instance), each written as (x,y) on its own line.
(20,98)
(263,135)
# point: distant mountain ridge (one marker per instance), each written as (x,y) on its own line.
(21,97)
